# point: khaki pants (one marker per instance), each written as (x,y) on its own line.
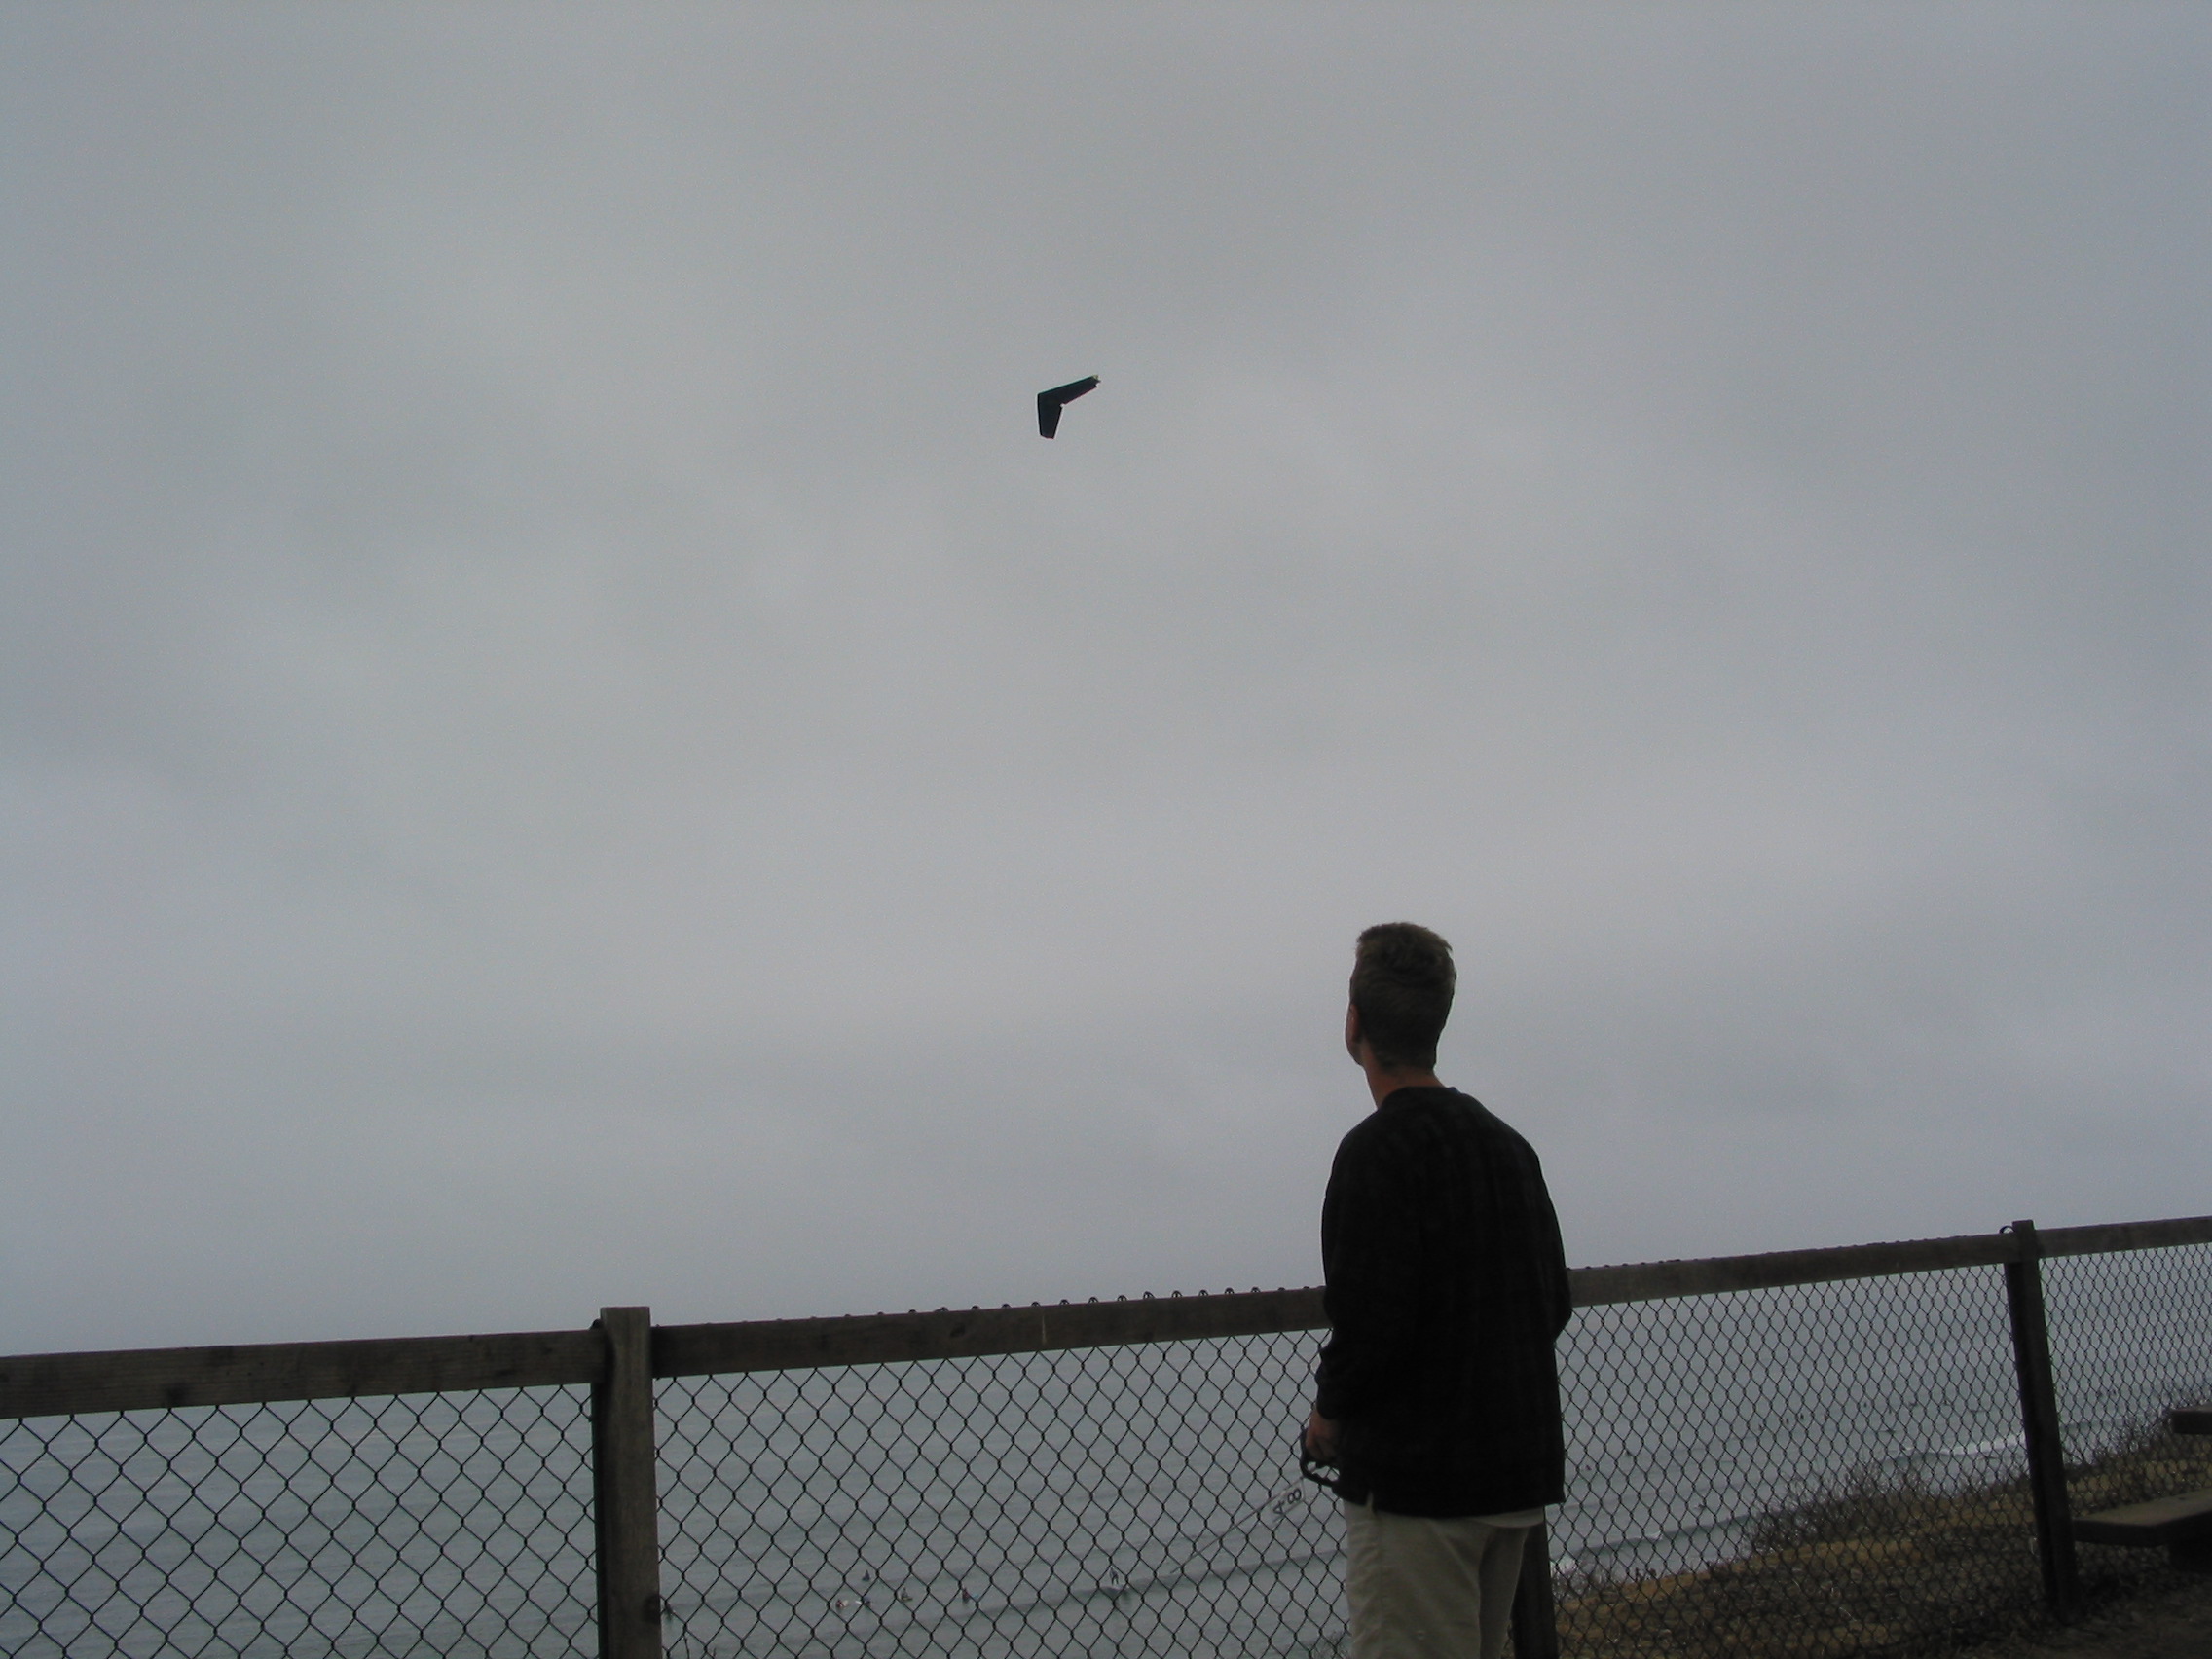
(1426,1589)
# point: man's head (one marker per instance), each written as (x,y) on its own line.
(1401,992)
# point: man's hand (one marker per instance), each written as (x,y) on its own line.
(1321,1440)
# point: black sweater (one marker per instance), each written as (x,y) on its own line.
(1447,1288)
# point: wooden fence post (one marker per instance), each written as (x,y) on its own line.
(1535,1626)
(625,1506)
(2039,1424)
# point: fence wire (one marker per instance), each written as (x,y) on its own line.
(449,1525)
(1817,1469)
(2130,1339)
(1130,1500)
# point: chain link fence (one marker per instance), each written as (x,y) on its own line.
(416,1525)
(2131,1338)
(1830,1468)
(1827,1467)
(1138,1499)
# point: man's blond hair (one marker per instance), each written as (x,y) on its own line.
(1402,981)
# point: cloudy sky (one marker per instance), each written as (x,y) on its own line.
(563,740)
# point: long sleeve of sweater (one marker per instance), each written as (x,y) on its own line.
(1370,1234)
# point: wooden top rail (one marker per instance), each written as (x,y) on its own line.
(132,1380)
(786,1344)
(151,1378)
(2116,1235)
(1651,1281)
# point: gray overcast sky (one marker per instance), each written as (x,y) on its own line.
(563,741)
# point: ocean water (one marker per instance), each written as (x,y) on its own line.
(1110,1500)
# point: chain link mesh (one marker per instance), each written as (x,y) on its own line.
(449,1525)
(1131,1500)
(2130,1339)
(1817,1469)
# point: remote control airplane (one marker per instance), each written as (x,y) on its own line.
(1050,403)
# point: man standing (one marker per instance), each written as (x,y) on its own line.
(1438,1399)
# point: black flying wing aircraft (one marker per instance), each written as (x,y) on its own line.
(1050,403)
